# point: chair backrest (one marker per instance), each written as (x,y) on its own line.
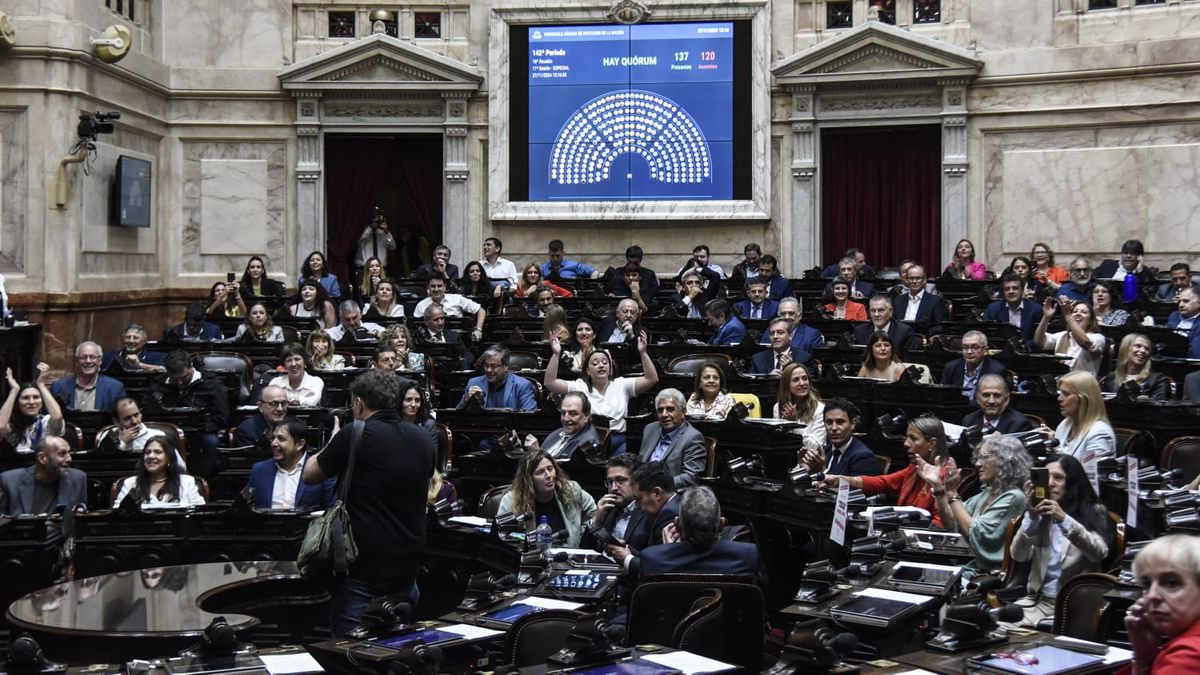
(751,402)
(524,361)
(1116,554)
(885,461)
(688,364)
(445,447)
(290,334)
(659,604)
(73,435)
(1009,568)
(710,462)
(537,635)
(1081,605)
(230,361)
(1182,453)
(539,392)
(700,631)
(489,501)
(174,433)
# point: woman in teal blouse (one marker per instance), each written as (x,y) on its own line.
(1002,465)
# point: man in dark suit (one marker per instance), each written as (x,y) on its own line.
(440,265)
(576,431)
(134,358)
(729,330)
(861,268)
(693,545)
(87,389)
(880,312)
(50,482)
(778,286)
(991,395)
(850,272)
(772,361)
(435,331)
(965,372)
(1181,278)
(1132,252)
(843,454)
(623,326)
(258,429)
(616,510)
(194,327)
(693,293)
(657,503)
(1015,309)
(918,305)
(186,387)
(674,442)
(757,305)
(633,281)
(1185,319)
(276,482)
(804,338)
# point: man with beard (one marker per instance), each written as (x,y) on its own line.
(48,483)
(276,482)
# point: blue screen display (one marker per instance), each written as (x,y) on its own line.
(631,112)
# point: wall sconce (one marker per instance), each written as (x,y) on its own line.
(380,18)
(113,43)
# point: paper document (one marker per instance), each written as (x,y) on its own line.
(688,662)
(282,664)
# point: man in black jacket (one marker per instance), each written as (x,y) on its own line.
(881,313)
(435,331)
(186,387)
(918,305)
(994,415)
(975,363)
(657,502)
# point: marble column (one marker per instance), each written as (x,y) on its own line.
(954,167)
(455,172)
(310,206)
(805,246)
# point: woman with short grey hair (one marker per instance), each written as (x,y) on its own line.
(1002,465)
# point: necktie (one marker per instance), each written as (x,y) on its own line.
(779,361)
(833,460)
(438,337)
(988,427)
(558,446)
(756,312)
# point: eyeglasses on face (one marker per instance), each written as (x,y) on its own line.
(619,480)
(276,404)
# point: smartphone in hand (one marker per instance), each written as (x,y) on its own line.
(1040,476)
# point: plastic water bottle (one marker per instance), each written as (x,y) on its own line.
(543,535)
(1129,294)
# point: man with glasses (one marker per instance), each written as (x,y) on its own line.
(1080,287)
(258,428)
(654,494)
(87,389)
(576,431)
(616,510)
(673,441)
(974,364)
(918,305)
(497,389)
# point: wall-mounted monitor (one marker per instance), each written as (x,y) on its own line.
(130,200)
(649,112)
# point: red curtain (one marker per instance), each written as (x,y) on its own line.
(402,175)
(881,192)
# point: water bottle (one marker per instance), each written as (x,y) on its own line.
(543,534)
(1130,292)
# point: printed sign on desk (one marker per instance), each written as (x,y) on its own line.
(1132,509)
(837,531)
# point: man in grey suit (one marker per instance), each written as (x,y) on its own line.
(49,482)
(576,431)
(674,442)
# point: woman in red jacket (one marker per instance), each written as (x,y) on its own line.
(1168,570)
(924,438)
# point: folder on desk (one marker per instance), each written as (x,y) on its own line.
(927,578)
(879,607)
(1041,660)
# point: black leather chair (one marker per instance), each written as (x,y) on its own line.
(489,502)
(700,631)
(659,606)
(537,635)
(1081,606)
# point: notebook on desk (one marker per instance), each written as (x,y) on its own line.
(879,607)
(1041,660)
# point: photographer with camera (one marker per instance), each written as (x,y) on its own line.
(374,242)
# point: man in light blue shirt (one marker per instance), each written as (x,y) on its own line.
(497,387)
(558,268)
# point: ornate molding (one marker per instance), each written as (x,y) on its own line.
(804,172)
(308,131)
(380,60)
(456,131)
(954,169)
(629,12)
(308,176)
(802,127)
(395,109)
(456,175)
(874,50)
(954,121)
(879,103)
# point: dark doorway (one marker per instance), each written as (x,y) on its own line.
(400,174)
(881,191)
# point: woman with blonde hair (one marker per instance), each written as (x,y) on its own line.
(399,337)
(531,279)
(1084,432)
(1133,363)
(540,488)
(799,401)
(554,324)
(1044,269)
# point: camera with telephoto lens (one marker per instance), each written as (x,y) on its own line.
(94,124)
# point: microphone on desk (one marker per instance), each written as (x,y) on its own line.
(1039,443)
(559,537)
(510,520)
(858,569)
(825,645)
(877,547)
(801,476)
(980,613)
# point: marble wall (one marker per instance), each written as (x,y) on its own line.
(14,189)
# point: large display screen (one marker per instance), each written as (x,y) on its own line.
(641,112)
